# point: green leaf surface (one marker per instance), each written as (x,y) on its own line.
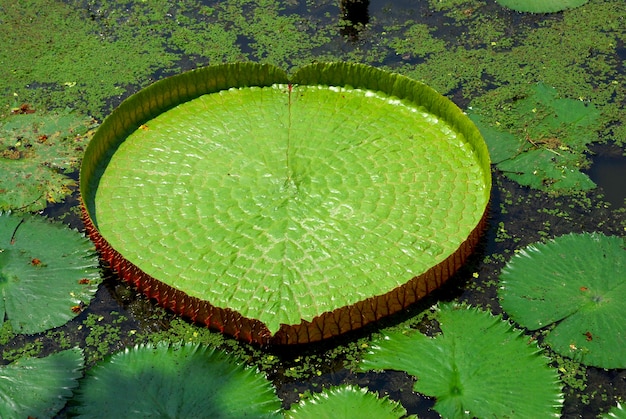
(178,381)
(579,282)
(545,145)
(37,153)
(346,402)
(541,6)
(616,412)
(39,387)
(478,366)
(47,272)
(285,201)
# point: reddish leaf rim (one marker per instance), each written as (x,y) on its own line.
(324,326)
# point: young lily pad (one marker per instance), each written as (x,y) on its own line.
(37,152)
(39,387)
(544,145)
(285,209)
(478,366)
(346,402)
(48,272)
(577,281)
(541,6)
(179,381)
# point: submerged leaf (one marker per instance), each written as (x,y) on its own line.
(37,152)
(39,387)
(48,272)
(182,381)
(579,282)
(478,366)
(545,146)
(346,402)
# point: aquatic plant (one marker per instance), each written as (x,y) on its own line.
(576,283)
(344,402)
(543,144)
(38,152)
(39,387)
(541,6)
(48,272)
(617,412)
(477,366)
(286,209)
(184,380)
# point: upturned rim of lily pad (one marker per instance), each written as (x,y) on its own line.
(137,114)
(541,6)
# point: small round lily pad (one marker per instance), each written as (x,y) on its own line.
(175,381)
(577,281)
(478,366)
(344,402)
(48,272)
(39,387)
(286,209)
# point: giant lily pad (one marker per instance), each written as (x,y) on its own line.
(285,209)
(184,381)
(579,282)
(541,6)
(478,366)
(48,273)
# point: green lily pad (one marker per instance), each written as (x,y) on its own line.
(543,144)
(346,402)
(478,366)
(541,6)
(179,381)
(260,204)
(617,412)
(39,387)
(577,281)
(48,273)
(37,153)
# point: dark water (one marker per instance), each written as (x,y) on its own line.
(608,171)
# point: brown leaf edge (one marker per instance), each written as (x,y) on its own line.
(324,326)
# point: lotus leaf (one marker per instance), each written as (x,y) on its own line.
(346,402)
(48,272)
(37,153)
(577,281)
(541,6)
(39,387)
(184,381)
(478,366)
(309,205)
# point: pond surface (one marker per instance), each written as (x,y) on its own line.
(90,55)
